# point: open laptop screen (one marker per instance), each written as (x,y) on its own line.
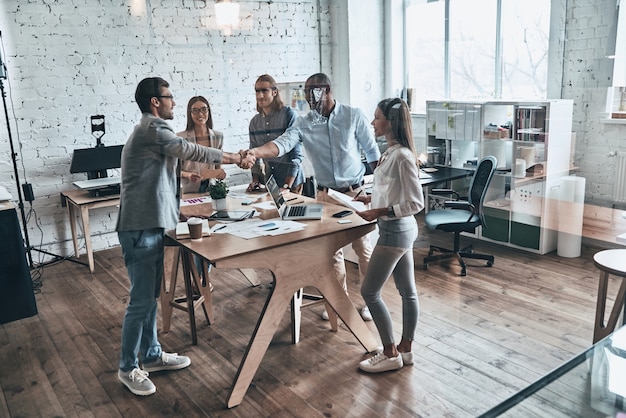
(274,190)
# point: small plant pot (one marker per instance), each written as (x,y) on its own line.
(219,204)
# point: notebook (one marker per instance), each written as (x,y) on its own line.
(295,212)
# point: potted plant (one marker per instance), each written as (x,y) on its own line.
(218,191)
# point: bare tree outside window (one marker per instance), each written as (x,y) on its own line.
(473,50)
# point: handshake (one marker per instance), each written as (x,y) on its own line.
(247,159)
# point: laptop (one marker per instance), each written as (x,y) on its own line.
(295,212)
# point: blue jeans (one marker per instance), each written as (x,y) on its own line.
(143,255)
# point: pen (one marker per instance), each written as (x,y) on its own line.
(221,227)
(289,200)
(357,195)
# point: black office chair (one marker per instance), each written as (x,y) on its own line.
(462,216)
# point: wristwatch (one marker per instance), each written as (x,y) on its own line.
(390,212)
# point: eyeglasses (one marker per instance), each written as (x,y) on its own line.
(311,89)
(203,110)
(165,97)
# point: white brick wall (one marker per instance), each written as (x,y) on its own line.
(70,59)
(587,75)
(65,66)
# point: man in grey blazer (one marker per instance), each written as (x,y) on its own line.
(149,203)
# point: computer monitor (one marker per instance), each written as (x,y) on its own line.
(96,161)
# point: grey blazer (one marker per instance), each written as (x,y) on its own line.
(148,193)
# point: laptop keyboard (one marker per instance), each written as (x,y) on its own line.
(296,210)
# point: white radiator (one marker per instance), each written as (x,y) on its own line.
(619,188)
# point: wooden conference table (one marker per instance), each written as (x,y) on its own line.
(313,247)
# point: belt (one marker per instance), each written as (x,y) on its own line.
(342,190)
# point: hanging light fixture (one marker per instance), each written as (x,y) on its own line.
(227,15)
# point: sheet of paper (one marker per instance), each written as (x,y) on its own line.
(257,228)
(265,205)
(345,200)
(195,201)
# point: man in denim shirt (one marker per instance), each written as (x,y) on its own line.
(333,136)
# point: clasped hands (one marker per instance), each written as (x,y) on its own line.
(247,159)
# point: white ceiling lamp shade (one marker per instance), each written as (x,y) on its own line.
(227,15)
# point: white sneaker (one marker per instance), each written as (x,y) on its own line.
(168,361)
(366,314)
(381,363)
(407,358)
(137,382)
(324,315)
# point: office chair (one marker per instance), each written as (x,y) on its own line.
(462,216)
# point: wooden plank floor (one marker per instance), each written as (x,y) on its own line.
(480,339)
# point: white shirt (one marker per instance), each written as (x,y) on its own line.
(397,183)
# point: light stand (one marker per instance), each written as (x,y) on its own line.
(29,248)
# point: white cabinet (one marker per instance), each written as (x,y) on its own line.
(531,142)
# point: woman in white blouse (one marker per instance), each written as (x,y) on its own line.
(396,197)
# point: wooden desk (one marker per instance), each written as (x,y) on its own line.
(82,201)
(313,247)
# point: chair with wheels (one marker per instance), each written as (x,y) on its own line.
(461,216)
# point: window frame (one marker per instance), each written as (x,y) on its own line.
(555,49)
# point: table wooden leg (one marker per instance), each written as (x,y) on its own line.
(340,304)
(187,277)
(271,315)
(251,275)
(316,255)
(602,329)
(332,318)
(84,216)
(168,290)
(204,287)
(72,213)
(296,315)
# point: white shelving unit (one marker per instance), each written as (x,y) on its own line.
(531,141)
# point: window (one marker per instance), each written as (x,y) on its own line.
(476,49)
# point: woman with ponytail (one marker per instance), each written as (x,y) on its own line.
(396,197)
